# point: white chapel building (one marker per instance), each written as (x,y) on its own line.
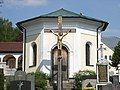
(79,47)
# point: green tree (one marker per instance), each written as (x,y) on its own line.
(116,56)
(7,32)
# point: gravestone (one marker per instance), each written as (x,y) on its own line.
(102,70)
(22,81)
(31,78)
(111,87)
(115,80)
(107,87)
(20,75)
(20,85)
(102,73)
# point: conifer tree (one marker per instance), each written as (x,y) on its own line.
(116,56)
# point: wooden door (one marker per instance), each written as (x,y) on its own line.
(64,63)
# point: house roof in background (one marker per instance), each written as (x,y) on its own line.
(110,41)
(11,47)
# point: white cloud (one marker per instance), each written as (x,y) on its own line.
(25,2)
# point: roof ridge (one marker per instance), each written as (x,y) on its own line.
(61,11)
(69,11)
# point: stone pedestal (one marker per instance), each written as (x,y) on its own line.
(102,73)
(67,85)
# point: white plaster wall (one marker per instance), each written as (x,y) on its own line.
(74,41)
(107,52)
(30,39)
(76,44)
(88,36)
(49,42)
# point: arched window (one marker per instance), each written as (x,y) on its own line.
(33,56)
(10,61)
(87,47)
(110,57)
(20,59)
(106,57)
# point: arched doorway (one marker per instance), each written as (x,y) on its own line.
(65,59)
(10,61)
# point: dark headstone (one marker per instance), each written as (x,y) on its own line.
(107,87)
(22,81)
(20,85)
(115,80)
(110,87)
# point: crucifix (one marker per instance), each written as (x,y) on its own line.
(102,68)
(60,35)
(101,52)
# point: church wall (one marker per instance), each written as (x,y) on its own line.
(88,36)
(29,40)
(75,43)
(49,43)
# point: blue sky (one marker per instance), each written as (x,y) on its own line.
(107,10)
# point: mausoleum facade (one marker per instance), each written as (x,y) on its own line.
(79,47)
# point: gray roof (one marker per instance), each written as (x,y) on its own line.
(110,41)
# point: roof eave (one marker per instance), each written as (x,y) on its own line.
(92,19)
(105,26)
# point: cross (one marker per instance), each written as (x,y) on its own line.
(101,52)
(20,85)
(60,35)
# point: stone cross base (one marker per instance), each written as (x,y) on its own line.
(67,85)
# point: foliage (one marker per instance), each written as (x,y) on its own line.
(79,77)
(7,32)
(116,56)
(40,80)
(1,81)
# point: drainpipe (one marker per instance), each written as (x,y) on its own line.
(24,43)
(98,38)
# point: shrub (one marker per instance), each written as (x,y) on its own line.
(79,77)
(40,80)
(1,81)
